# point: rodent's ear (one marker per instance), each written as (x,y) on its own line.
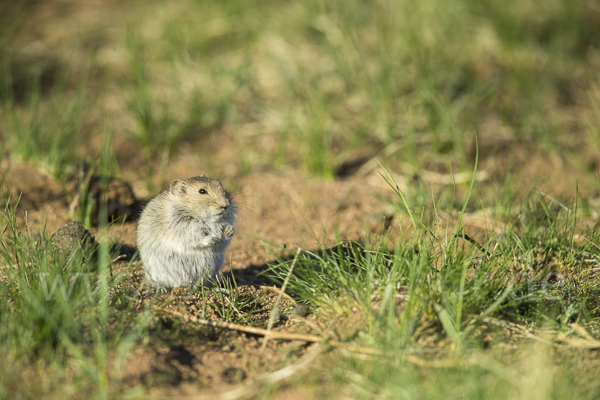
(178,188)
(202,176)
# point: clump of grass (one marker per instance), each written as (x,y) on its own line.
(86,205)
(436,293)
(319,157)
(155,130)
(167,117)
(60,312)
(45,129)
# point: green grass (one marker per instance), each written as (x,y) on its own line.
(352,75)
(429,294)
(435,296)
(45,131)
(60,312)
(310,87)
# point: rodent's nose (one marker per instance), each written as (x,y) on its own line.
(223,208)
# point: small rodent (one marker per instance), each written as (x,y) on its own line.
(184,230)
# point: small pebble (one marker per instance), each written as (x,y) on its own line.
(301,310)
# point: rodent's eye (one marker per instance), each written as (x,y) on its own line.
(202,191)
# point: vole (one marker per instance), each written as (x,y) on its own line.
(184,230)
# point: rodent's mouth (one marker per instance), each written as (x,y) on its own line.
(222,211)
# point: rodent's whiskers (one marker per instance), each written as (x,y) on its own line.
(243,208)
(245,214)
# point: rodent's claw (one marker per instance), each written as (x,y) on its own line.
(228,231)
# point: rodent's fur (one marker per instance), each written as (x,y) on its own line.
(183,232)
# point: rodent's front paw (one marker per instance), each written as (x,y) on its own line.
(228,231)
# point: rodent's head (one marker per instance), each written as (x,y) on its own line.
(204,198)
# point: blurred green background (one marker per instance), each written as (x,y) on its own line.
(318,86)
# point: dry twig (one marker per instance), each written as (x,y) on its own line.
(312,338)
(275,310)
(275,334)
(588,341)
